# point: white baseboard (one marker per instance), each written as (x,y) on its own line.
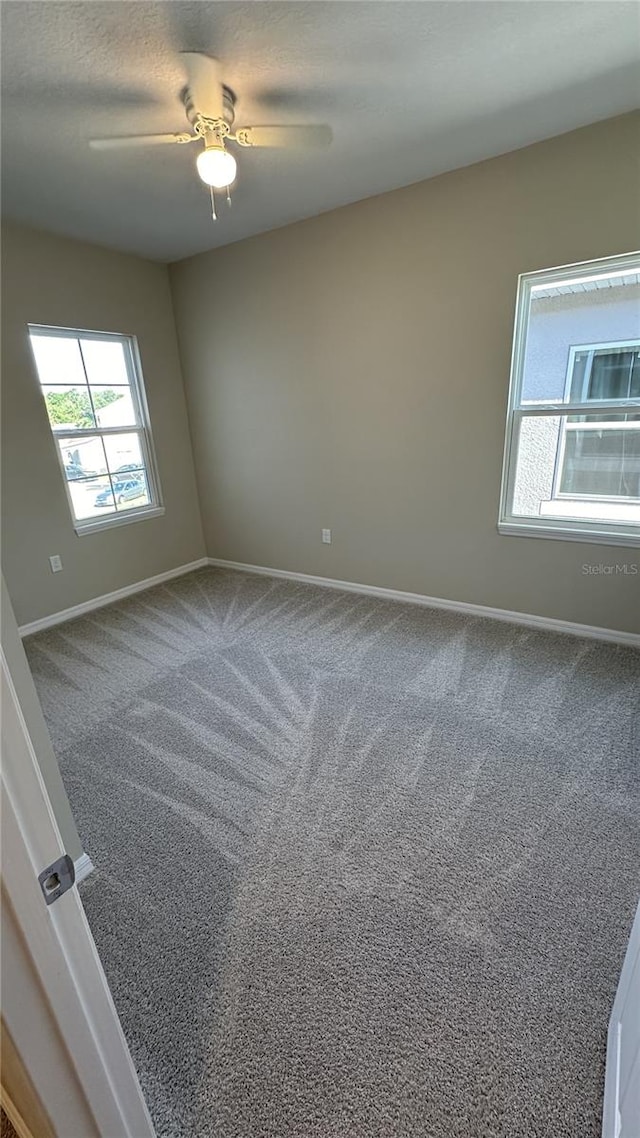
(109,598)
(543,623)
(83,867)
(615,636)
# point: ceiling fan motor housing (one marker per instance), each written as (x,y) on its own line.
(228,106)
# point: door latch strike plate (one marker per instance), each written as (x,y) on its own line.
(57,878)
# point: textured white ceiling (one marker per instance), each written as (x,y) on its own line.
(410,88)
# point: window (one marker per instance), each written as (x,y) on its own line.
(92,388)
(572,452)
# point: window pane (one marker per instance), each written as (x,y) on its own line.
(601,460)
(105,361)
(537,450)
(82,458)
(113,406)
(123,452)
(560,473)
(69,407)
(90,384)
(58,359)
(92,498)
(131,491)
(566,316)
(128,474)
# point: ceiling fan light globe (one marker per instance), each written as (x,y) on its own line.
(216,167)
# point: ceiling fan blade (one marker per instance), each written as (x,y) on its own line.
(138,140)
(286,137)
(205,83)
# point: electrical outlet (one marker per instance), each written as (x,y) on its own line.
(55,563)
(326,536)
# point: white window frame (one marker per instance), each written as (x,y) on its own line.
(563,529)
(142,427)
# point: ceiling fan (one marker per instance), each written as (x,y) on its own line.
(210,109)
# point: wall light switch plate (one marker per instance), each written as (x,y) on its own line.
(55,563)
(326,536)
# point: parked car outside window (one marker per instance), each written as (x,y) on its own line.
(123,491)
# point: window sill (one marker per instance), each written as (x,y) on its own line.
(95,526)
(575,533)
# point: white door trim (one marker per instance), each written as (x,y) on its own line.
(83,867)
(619,1117)
(58,939)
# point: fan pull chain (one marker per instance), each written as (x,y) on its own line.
(229,196)
(214,215)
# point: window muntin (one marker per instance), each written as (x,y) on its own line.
(92,386)
(572,451)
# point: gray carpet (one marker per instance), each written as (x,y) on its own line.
(363,869)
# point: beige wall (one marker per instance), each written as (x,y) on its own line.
(52,280)
(351,371)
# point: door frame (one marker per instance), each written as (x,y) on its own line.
(58,940)
(623,1045)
